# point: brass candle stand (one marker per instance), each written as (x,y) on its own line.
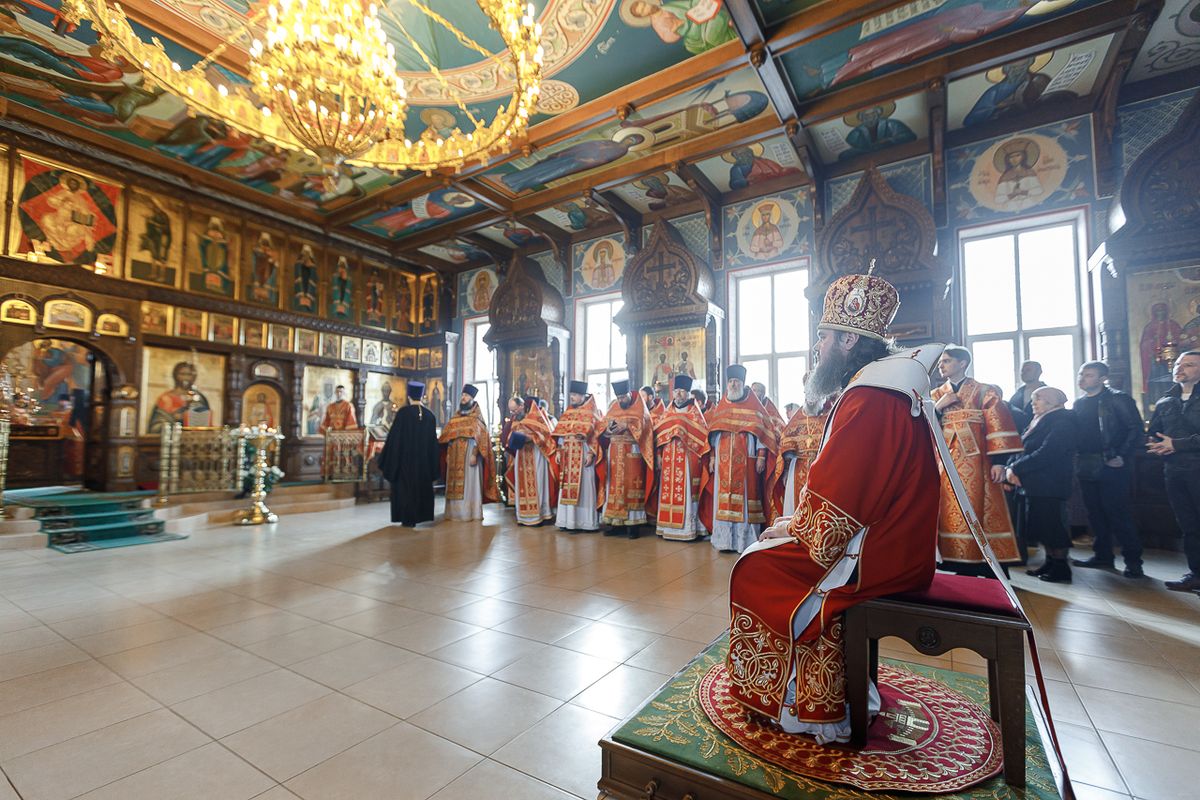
(498,460)
(262,439)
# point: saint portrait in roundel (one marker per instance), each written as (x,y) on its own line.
(482,287)
(766,229)
(1018,173)
(855,302)
(603,264)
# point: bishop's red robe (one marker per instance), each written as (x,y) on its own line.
(522,475)
(976,428)
(681,451)
(876,476)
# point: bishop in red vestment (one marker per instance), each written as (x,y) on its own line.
(630,460)
(533,471)
(744,441)
(580,455)
(865,523)
(681,453)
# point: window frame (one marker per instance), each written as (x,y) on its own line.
(491,405)
(733,354)
(579,365)
(1077,219)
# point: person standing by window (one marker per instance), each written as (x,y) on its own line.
(1175,435)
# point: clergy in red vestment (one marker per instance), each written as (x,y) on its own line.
(533,471)
(339,415)
(470,478)
(630,461)
(980,431)
(515,409)
(798,445)
(654,404)
(580,454)
(744,440)
(865,523)
(681,453)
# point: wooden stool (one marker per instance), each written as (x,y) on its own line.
(956,611)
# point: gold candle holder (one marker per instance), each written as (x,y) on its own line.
(262,438)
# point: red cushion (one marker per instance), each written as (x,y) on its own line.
(962,592)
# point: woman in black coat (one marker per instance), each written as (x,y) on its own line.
(1043,474)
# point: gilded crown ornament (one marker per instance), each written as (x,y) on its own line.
(862,304)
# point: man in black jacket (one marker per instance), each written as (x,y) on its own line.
(1175,435)
(1021,402)
(1110,431)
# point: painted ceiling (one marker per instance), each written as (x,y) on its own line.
(633,89)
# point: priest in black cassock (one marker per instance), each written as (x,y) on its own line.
(410,460)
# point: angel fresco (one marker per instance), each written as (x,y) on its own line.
(700,24)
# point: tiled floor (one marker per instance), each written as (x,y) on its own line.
(340,657)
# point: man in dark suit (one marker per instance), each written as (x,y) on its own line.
(1175,435)
(1044,475)
(1022,400)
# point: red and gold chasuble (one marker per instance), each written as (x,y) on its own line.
(877,470)
(802,436)
(456,443)
(339,416)
(630,473)
(681,443)
(977,427)
(536,427)
(736,482)
(579,428)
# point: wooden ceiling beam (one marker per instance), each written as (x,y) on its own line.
(818,21)
(498,253)
(560,240)
(628,217)
(938,109)
(704,189)
(483,194)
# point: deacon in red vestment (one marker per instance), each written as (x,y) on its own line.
(580,455)
(744,441)
(865,523)
(339,415)
(981,433)
(779,420)
(654,404)
(515,409)
(470,474)
(798,445)
(681,453)
(630,461)
(533,472)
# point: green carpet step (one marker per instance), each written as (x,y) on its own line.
(76,499)
(94,518)
(55,511)
(92,533)
(123,541)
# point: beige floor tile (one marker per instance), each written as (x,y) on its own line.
(207,773)
(116,641)
(190,603)
(487,613)
(413,686)
(1160,683)
(574,763)
(96,759)
(1154,720)
(657,619)
(331,608)
(1106,624)
(380,619)
(352,663)
(164,655)
(542,625)
(1152,770)
(612,642)
(1120,648)
(25,638)
(557,672)
(487,651)
(14,619)
(232,708)
(401,762)
(666,655)
(1065,705)
(225,614)
(485,715)
(44,725)
(620,692)
(701,628)
(304,643)
(82,608)
(7,792)
(106,621)
(194,678)
(19,694)
(1084,791)
(278,793)
(39,659)
(259,629)
(430,634)
(1087,757)
(286,745)
(489,779)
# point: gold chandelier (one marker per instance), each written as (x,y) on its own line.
(323,79)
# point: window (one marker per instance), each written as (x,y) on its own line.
(771,335)
(479,366)
(1021,303)
(603,348)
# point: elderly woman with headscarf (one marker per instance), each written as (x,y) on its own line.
(1043,476)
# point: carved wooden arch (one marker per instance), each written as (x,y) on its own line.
(524,305)
(1160,196)
(898,232)
(665,281)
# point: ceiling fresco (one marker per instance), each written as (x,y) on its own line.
(657,191)
(735,98)
(1173,42)
(576,215)
(910,34)
(752,164)
(1054,76)
(512,234)
(420,213)
(455,252)
(873,128)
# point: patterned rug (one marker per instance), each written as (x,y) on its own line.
(933,736)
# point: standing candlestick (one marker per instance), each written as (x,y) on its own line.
(261,438)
